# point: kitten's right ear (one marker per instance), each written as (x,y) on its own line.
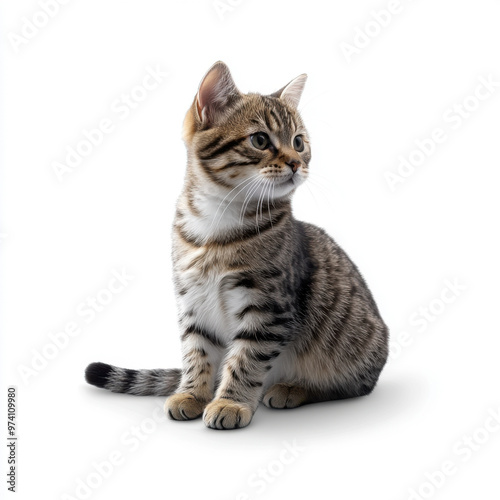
(217,92)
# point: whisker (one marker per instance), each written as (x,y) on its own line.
(260,201)
(248,194)
(257,211)
(227,195)
(312,194)
(247,201)
(251,192)
(266,189)
(271,186)
(320,186)
(248,183)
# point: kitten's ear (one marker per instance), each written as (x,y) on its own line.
(216,93)
(291,93)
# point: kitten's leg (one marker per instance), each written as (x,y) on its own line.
(242,377)
(285,396)
(201,358)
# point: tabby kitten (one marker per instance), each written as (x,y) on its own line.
(271,309)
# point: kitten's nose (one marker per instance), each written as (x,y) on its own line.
(294,165)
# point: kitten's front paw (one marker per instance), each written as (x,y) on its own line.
(284,396)
(227,414)
(183,406)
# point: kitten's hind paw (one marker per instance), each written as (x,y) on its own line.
(227,414)
(183,406)
(282,396)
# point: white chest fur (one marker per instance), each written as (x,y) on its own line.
(211,301)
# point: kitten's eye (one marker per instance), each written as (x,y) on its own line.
(260,140)
(298,143)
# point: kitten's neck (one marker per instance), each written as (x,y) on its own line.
(210,217)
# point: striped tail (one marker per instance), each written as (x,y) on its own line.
(137,382)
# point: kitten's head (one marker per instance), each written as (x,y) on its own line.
(247,140)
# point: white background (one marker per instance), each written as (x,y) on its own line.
(61,241)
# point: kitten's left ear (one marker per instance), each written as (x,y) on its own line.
(293,91)
(217,92)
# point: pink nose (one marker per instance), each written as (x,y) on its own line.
(294,165)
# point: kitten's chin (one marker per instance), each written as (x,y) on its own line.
(287,188)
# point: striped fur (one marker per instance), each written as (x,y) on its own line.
(271,309)
(137,382)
